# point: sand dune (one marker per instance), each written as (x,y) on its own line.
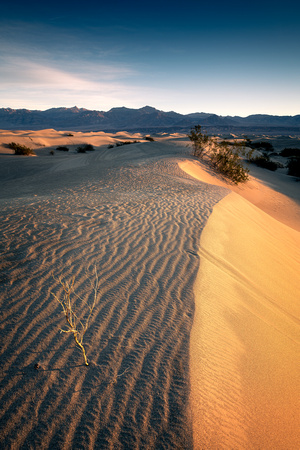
(140,219)
(276,194)
(245,377)
(136,216)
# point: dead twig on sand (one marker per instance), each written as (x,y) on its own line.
(74,325)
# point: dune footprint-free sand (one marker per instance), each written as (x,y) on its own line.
(137,217)
(194,339)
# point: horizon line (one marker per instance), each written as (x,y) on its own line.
(148,106)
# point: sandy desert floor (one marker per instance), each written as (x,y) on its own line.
(194,340)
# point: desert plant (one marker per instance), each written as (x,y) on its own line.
(75,325)
(51,152)
(264,162)
(287,152)
(262,159)
(149,138)
(263,145)
(62,148)
(120,143)
(20,149)
(89,148)
(227,161)
(199,141)
(223,157)
(294,167)
(85,148)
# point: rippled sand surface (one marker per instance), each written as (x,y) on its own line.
(137,217)
(194,338)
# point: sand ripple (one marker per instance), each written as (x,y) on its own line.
(139,222)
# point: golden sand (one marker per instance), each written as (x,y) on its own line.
(135,215)
(245,377)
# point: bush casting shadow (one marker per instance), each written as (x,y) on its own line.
(223,157)
(85,148)
(20,149)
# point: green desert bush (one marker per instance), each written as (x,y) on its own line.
(70,303)
(294,166)
(20,149)
(227,161)
(224,158)
(199,141)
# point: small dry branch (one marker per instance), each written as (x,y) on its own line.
(68,303)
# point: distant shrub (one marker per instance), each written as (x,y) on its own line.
(267,146)
(52,152)
(110,146)
(264,162)
(294,166)
(69,134)
(20,149)
(62,148)
(120,143)
(85,148)
(149,138)
(89,148)
(287,152)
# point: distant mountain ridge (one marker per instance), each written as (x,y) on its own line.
(142,119)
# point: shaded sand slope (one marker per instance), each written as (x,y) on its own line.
(245,378)
(136,216)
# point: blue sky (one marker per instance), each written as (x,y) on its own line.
(228,58)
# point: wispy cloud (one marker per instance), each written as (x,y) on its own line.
(39,85)
(19,71)
(101,65)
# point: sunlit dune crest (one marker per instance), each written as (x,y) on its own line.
(246,333)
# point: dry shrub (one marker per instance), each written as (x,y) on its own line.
(69,303)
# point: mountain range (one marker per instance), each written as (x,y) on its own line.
(146,119)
